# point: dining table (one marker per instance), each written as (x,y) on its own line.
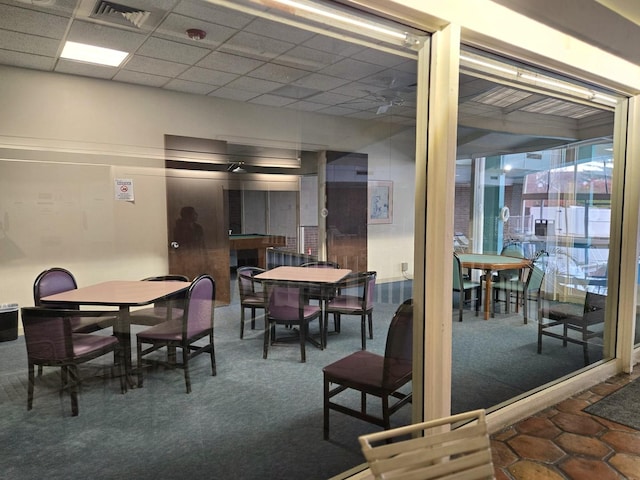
(123,294)
(490,263)
(326,279)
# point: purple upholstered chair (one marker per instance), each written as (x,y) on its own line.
(288,306)
(161,311)
(373,374)
(183,333)
(58,280)
(51,341)
(252,294)
(355,297)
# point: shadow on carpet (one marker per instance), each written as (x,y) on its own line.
(621,406)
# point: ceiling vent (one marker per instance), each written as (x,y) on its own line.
(120,14)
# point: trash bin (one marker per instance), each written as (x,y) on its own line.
(8,321)
(544,228)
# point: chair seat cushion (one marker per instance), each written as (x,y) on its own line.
(171,330)
(561,311)
(91,324)
(84,343)
(363,365)
(346,303)
(254,300)
(154,315)
(513,286)
(285,313)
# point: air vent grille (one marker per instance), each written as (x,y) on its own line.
(121,14)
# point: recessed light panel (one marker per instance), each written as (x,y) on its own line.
(92,54)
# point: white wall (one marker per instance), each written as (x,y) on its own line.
(68,138)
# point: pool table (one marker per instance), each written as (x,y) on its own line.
(257,242)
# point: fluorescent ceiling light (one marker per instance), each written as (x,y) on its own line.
(92,54)
(349,20)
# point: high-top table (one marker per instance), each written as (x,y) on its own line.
(491,263)
(123,294)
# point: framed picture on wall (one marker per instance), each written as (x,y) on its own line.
(380,206)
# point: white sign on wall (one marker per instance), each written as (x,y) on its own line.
(124,189)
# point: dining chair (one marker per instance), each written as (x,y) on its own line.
(51,341)
(354,297)
(462,285)
(57,280)
(195,324)
(161,311)
(368,373)
(252,294)
(287,305)
(573,317)
(321,293)
(456,446)
(525,291)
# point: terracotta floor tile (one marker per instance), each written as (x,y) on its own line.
(564,442)
(502,455)
(538,427)
(581,445)
(535,448)
(526,470)
(628,465)
(581,424)
(623,442)
(578,468)
(573,405)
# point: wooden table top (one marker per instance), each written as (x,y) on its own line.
(119,293)
(492,261)
(305,274)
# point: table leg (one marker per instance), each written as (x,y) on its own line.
(487,293)
(122,331)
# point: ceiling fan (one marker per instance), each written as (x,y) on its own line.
(392,96)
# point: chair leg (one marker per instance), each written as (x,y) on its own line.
(304,329)
(185,366)
(212,352)
(363,332)
(460,304)
(241,321)
(73,388)
(371,325)
(326,410)
(267,338)
(139,367)
(31,386)
(386,417)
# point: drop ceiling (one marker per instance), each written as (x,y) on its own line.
(249,58)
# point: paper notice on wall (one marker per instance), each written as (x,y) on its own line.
(124,189)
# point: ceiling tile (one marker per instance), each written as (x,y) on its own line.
(23,20)
(172,51)
(333,45)
(22,42)
(320,82)
(84,69)
(307,58)
(205,75)
(26,60)
(352,69)
(329,98)
(189,87)
(229,63)
(155,66)
(213,13)
(104,36)
(377,57)
(254,85)
(255,46)
(233,94)
(271,29)
(277,73)
(272,100)
(177,25)
(141,78)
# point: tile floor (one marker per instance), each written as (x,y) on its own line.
(565,443)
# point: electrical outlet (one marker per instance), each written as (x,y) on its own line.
(404,266)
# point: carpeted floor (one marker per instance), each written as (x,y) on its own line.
(622,406)
(256,419)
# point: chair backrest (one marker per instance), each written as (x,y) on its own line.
(247,285)
(169,278)
(594,307)
(536,274)
(513,250)
(399,348)
(370,288)
(432,449)
(458,281)
(47,334)
(200,305)
(286,301)
(321,264)
(52,281)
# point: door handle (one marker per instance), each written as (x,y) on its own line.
(175,245)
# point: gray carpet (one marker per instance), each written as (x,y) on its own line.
(257,419)
(622,406)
